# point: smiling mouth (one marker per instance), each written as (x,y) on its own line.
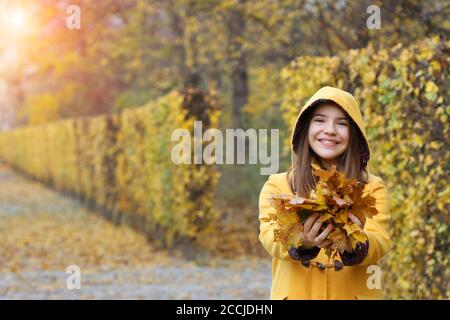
(327,143)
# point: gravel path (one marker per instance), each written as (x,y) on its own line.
(42,233)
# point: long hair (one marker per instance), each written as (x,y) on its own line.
(300,176)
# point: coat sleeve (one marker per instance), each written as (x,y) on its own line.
(376,228)
(275,249)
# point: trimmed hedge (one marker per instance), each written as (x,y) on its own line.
(122,163)
(404,97)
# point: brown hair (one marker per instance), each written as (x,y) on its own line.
(300,176)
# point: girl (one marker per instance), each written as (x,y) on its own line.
(329,130)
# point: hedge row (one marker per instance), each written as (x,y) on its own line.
(122,163)
(405,99)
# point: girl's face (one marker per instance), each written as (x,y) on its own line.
(328,132)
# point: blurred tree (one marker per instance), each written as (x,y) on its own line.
(236,26)
(130,51)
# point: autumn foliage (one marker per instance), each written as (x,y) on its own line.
(334,198)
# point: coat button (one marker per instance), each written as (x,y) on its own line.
(320,266)
(306,263)
(338,265)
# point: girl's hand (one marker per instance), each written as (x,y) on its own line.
(310,237)
(356,221)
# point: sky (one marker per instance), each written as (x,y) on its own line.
(16,27)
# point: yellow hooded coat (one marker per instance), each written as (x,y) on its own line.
(290,279)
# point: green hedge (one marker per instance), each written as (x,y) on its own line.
(122,163)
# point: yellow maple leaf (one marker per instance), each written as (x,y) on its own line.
(351,228)
(342,217)
(294,238)
(339,240)
(356,237)
(287,218)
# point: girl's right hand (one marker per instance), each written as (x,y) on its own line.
(310,237)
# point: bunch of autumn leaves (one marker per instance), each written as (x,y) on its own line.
(334,198)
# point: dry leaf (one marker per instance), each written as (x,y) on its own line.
(334,198)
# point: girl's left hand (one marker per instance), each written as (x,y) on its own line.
(356,221)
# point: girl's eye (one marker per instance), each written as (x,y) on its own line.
(340,123)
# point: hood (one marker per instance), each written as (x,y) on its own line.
(351,107)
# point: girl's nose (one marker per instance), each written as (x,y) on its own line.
(329,129)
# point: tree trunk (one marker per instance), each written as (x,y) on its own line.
(190,77)
(239,76)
